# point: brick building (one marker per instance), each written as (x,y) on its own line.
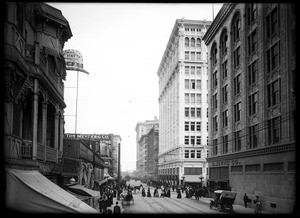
(251,51)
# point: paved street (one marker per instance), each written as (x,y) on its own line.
(173,205)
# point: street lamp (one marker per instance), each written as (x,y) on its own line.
(201,178)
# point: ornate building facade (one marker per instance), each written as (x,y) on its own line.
(183,105)
(34,74)
(252,103)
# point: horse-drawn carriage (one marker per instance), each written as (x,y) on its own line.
(223,200)
(127,199)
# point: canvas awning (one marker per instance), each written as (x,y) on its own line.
(30,191)
(81,190)
(80,197)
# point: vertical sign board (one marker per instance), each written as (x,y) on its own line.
(74,60)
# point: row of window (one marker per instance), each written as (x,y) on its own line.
(273,137)
(192,153)
(190,140)
(192,70)
(191,98)
(193,30)
(192,112)
(192,55)
(192,84)
(192,126)
(192,42)
(267,167)
(175,171)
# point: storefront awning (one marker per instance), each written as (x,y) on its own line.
(81,190)
(30,191)
(100,182)
(80,197)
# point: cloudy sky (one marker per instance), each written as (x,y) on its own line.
(122,45)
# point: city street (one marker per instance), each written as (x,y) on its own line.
(166,205)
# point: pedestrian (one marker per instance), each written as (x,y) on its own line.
(143,192)
(117,208)
(246,200)
(148,193)
(178,193)
(155,194)
(168,193)
(173,187)
(257,208)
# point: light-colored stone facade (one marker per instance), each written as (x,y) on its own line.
(183,105)
(259,156)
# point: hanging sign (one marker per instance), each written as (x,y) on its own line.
(74,60)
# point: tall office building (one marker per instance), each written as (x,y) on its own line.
(142,129)
(252,87)
(183,105)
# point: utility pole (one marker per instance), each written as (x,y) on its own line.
(119,170)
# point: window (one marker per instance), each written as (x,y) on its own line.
(236,57)
(272,22)
(192,153)
(198,55)
(225,144)
(192,126)
(198,126)
(252,168)
(224,70)
(215,123)
(236,29)
(215,101)
(214,79)
(192,56)
(186,112)
(273,57)
(237,168)
(237,84)
(252,13)
(198,43)
(186,84)
(225,118)
(192,112)
(186,70)
(198,153)
(187,42)
(198,85)
(273,167)
(192,42)
(215,147)
(252,73)
(186,140)
(186,126)
(198,98)
(253,136)
(186,153)
(186,98)
(192,171)
(224,43)
(193,85)
(198,71)
(273,90)
(237,141)
(193,140)
(214,55)
(198,112)
(186,55)
(192,98)
(252,42)
(237,112)
(225,94)
(274,130)
(253,104)
(192,70)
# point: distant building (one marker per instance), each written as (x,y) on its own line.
(183,132)
(152,153)
(116,145)
(142,128)
(252,104)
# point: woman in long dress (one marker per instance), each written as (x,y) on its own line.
(148,192)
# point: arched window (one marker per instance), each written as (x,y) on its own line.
(198,43)
(224,40)
(214,52)
(187,42)
(236,27)
(193,42)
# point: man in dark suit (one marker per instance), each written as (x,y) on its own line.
(117,208)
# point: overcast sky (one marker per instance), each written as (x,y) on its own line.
(122,45)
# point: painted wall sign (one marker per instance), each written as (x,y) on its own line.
(74,60)
(225,163)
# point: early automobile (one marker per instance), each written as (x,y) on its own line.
(223,200)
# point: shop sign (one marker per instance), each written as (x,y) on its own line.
(95,137)
(74,60)
(225,163)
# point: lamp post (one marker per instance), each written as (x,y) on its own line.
(201,178)
(119,170)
